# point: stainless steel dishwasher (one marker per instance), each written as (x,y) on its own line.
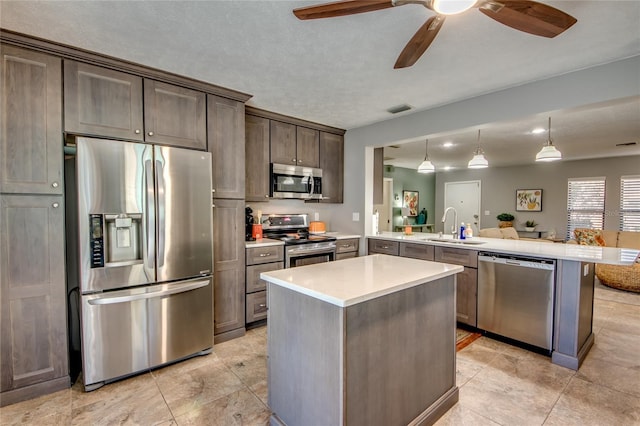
(516,296)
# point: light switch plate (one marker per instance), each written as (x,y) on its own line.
(487,213)
(356,217)
(316,216)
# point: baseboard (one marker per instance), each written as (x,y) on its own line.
(229,335)
(34,391)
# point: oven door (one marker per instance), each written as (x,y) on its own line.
(300,255)
(295,182)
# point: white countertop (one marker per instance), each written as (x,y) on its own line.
(263,242)
(609,255)
(352,281)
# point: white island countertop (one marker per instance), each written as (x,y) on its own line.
(351,281)
(590,254)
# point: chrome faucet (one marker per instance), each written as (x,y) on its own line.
(455,221)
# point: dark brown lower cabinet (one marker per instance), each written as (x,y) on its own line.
(466,296)
(33,339)
(229,269)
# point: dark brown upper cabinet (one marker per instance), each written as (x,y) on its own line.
(107,103)
(256,158)
(31,119)
(332,165)
(174,115)
(226,134)
(102,102)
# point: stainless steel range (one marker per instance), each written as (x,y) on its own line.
(300,246)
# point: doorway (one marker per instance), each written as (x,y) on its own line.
(385,210)
(465,198)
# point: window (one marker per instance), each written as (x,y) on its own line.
(585,204)
(630,203)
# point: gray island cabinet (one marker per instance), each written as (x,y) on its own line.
(573,284)
(362,341)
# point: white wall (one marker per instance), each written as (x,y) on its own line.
(597,84)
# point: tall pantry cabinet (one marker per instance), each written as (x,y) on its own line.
(33,336)
(226,142)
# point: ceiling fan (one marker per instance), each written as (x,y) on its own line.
(524,15)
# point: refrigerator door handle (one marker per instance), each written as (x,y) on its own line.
(176,288)
(150,213)
(161,207)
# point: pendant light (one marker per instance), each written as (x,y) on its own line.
(548,151)
(478,161)
(426,166)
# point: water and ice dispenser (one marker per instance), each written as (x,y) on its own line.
(115,239)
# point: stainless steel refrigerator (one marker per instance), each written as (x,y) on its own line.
(142,255)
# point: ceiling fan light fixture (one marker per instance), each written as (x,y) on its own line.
(451,7)
(478,161)
(426,166)
(549,152)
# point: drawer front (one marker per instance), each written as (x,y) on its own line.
(457,256)
(256,306)
(254,283)
(416,251)
(383,247)
(347,255)
(343,246)
(258,255)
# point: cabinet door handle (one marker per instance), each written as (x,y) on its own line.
(136,131)
(299,161)
(54,185)
(150,133)
(345,245)
(55,205)
(213,205)
(385,247)
(266,196)
(293,159)
(265,254)
(262,305)
(213,190)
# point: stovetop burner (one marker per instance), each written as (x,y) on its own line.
(292,229)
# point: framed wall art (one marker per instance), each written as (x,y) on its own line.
(410,201)
(529,200)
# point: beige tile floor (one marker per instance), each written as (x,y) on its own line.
(499,384)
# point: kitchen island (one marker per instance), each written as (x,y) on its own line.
(573,287)
(362,341)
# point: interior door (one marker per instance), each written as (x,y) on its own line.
(465,198)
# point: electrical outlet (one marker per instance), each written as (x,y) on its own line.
(316,216)
(356,217)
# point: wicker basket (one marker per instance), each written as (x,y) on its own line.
(505,224)
(620,277)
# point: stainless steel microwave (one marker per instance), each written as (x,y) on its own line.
(295,182)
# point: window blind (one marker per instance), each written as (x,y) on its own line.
(585,204)
(630,203)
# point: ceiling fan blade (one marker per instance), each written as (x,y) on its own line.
(341,8)
(528,16)
(419,42)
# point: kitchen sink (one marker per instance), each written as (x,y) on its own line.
(452,241)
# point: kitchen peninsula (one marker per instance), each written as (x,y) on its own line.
(362,341)
(570,302)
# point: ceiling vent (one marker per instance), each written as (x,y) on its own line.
(627,144)
(399,108)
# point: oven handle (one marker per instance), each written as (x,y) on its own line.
(328,249)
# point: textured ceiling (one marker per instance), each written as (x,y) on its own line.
(336,71)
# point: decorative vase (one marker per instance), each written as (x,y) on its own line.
(505,224)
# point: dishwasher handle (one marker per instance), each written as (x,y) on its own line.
(518,262)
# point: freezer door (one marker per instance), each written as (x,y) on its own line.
(128,331)
(184,219)
(181,324)
(114,179)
